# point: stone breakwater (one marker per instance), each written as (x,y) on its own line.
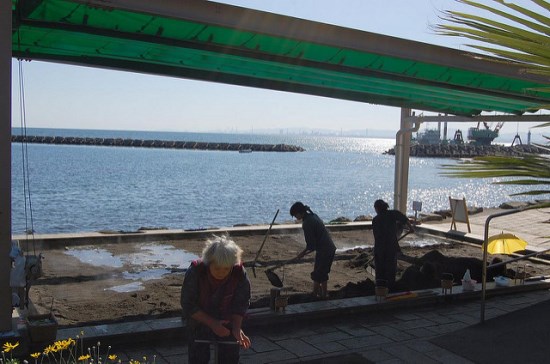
(469,151)
(144,143)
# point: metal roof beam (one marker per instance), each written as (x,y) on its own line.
(234,17)
(487,118)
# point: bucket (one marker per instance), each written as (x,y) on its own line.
(447,280)
(42,328)
(381,289)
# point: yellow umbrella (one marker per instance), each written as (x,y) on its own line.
(505,244)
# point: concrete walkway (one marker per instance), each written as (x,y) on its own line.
(397,336)
(533,226)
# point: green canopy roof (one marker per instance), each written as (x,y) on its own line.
(209,41)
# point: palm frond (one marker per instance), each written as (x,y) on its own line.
(543,125)
(518,35)
(531,193)
(522,38)
(525,182)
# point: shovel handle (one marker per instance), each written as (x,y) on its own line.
(281,264)
(265,237)
(402,236)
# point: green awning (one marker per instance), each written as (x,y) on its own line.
(221,43)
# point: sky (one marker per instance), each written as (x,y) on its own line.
(64,96)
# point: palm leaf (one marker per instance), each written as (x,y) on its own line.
(526,171)
(522,38)
(524,182)
(527,44)
(531,193)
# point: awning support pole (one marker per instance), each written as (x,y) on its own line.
(484,262)
(5,164)
(402,152)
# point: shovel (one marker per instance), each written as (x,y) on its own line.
(273,277)
(263,242)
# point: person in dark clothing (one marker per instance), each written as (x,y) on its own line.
(319,240)
(386,247)
(215,296)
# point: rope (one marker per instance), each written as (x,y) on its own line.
(29,230)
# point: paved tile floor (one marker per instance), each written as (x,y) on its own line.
(395,336)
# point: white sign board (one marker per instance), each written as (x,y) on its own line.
(459,212)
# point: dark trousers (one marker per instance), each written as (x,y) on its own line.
(199,353)
(385,267)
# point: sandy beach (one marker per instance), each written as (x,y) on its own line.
(79,293)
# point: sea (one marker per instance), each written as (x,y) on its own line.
(74,189)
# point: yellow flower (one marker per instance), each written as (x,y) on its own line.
(59,346)
(49,349)
(63,344)
(35,355)
(112,357)
(9,347)
(84,357)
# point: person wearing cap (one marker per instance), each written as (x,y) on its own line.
(319,240)
(386,246)
(215,296)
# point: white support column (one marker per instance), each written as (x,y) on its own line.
(5,164)
(402,151)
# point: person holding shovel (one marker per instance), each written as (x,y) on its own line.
(386,247)
(319,240)
(215,296)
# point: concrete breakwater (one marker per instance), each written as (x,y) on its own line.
(469,151)
(146,143)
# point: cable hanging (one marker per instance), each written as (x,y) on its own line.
(27,198)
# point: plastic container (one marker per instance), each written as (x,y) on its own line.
(502,281)
(469,285)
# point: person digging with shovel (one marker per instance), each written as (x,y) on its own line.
(318,239)
(386,246)
(215,296)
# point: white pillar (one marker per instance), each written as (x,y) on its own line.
(5,164)
(402,151)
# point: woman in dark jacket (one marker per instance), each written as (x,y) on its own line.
(386,247)
(317,239)
(215,297)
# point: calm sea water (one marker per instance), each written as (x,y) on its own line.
(87,188)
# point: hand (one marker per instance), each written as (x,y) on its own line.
(219,329)
(243,340)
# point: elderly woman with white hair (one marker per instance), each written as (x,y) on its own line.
(215,297)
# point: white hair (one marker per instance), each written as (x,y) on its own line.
(222,250)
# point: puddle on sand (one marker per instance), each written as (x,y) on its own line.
(152,262)
(426,241)
(95,256)
(130,287)
(146,275)
(413,242)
